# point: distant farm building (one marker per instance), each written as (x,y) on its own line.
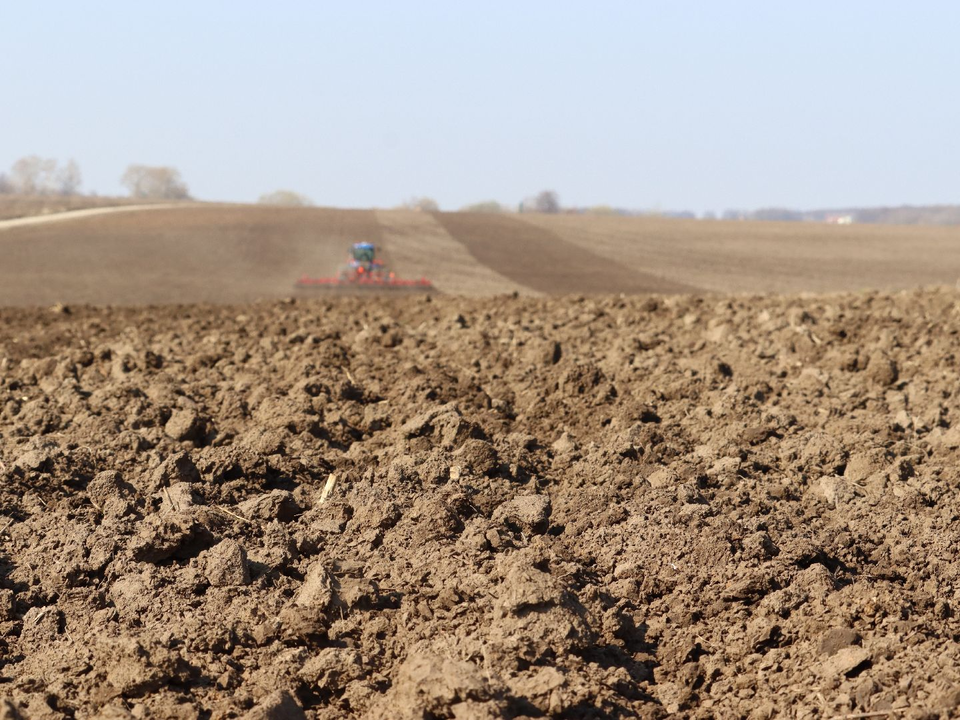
(839,219)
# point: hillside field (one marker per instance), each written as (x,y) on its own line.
(234,253)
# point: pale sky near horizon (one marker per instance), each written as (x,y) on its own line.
(645,105)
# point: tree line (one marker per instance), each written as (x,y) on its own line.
(40,176)
(546,201)
(34,175)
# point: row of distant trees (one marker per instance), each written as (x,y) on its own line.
(545,202)
(35,175)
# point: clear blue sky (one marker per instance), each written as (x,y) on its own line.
(676,105)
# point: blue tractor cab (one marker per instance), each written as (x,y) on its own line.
(363,252)
(364,265)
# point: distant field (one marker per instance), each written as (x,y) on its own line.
(235,253)
(768,256)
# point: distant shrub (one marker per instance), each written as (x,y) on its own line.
(287,198)
(154,182)
(546,202)
(488,206)
(602,210)
(421,204)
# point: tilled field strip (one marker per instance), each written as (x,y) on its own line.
(767,256)
(543,261)
(416,243)
(192,254)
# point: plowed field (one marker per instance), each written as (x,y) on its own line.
(514,507)
(539,259)
(233,253)
(518,506)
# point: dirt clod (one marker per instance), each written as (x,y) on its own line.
(179,535)
(277,706)
(835,639)
(225,564)
(184,425)
(531,513)
(845,661)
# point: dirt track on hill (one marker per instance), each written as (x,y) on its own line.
(26,206)
(570,508)
(71,215)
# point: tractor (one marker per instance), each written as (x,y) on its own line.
(364,271)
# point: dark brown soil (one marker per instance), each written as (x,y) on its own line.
(440,508)
(545,262)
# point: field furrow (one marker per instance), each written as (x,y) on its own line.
(543,261)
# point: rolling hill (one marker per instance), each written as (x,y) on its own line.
(234,253)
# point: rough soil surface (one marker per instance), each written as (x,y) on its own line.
(512,507)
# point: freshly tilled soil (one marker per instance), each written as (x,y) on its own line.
(511,507)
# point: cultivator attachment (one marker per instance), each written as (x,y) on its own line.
(364,272)
(364,283)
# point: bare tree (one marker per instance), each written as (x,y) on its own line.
(24,175)
(154,182)
(6,187)
(285,197)
(546,202)
(33,175)
(69,178)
